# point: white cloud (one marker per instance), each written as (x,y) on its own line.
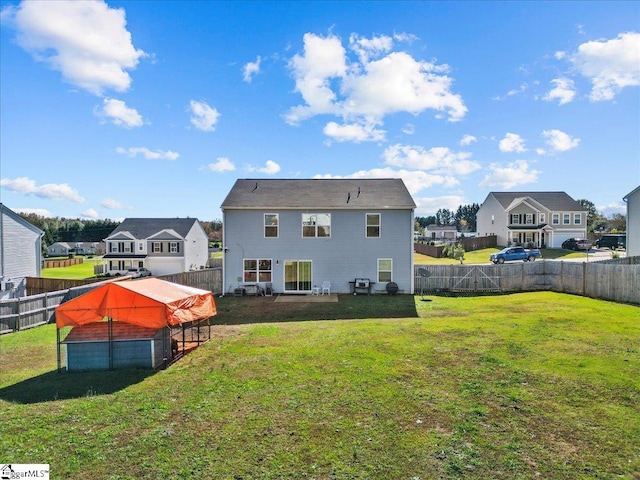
(409,129)
(250,69)
(559,141)
(111,204)
(270,168)
(363,91)
(203,117)
(222,164)
(512,142)
(610,65)
(415,180)
(90,213)
(43,212)
(564,91)
(147,153)
(353,132)
(612,208)
(119,114)
(51,191)
(439,159)
(467,140)
(87,41)
(430,205)
(509,176)
(366,48)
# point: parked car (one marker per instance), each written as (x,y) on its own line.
(576,244)
(138,272)
(612,241)
(510,254)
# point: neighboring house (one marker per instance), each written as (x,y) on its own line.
(297,234)
(441,233)
(541,219)
(20,252)
(632,200)
(161,245)
(80,248)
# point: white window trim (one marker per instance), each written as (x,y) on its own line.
(555,219)
(378,268)
(366,225)
(578,217)
(276,226)
(316,225)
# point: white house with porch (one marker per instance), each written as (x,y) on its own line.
(538,219)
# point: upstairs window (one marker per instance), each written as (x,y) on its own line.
(577,219)
(542,218)
(528,219)
(566,218)
(555,219)
(271,225)
(515,219)
(173,247)
(373,225)
(156,247)
(316,224)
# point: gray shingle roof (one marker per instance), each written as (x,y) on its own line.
(145,227)
(384,193)
(555,201)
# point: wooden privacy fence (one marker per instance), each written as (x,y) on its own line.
(27,312)
(607,280)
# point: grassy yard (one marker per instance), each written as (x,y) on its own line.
(74,272)
(531,385)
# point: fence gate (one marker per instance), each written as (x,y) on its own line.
(476,280)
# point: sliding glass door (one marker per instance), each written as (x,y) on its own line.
(297,276)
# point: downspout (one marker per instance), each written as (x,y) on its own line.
(413,274)
(224,255)
(2,241)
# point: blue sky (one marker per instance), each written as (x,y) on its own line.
(154,109)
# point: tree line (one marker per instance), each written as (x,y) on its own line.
(464,219)
(75,230)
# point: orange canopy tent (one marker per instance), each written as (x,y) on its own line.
(148,302)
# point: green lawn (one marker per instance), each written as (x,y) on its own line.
(74,272)
(531,385)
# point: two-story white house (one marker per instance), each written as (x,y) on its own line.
(297,234)
(20,253)
(162,245)
(541,219)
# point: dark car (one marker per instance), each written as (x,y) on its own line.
(576,244)
(138,272)
(612,241)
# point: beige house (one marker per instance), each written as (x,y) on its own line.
(539,219)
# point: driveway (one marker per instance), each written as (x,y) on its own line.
(594,255)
